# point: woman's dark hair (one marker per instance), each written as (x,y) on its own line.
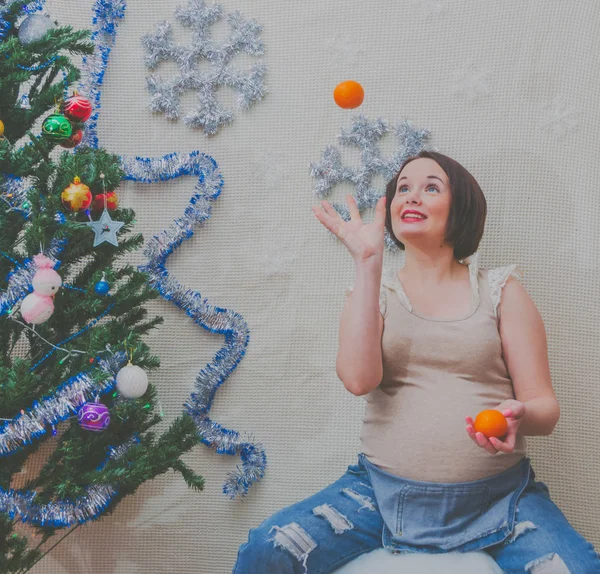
(468,208)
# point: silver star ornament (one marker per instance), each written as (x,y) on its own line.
(105,229)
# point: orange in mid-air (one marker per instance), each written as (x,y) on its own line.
(349,94)
(491,423)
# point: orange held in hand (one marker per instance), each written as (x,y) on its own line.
(349,94)
(491,423)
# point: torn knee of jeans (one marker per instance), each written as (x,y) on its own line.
(519,529)
(548,564)
(336,519)
(293,538)
(362,499)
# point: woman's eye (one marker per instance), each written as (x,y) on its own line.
(430,187)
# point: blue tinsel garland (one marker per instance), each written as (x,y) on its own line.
(214,319)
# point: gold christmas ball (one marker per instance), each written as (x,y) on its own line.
(1,128)
(76,196)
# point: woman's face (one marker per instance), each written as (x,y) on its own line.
(422,186)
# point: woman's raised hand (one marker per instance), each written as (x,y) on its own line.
(363,240)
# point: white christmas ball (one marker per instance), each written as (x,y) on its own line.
(132,381)
(33,28)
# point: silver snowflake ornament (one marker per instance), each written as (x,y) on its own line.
(160,46)
(366,136)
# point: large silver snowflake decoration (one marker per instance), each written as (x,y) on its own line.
(160,46)
(366,136)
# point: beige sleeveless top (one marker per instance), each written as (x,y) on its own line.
(436,372)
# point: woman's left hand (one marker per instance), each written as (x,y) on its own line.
(514,411)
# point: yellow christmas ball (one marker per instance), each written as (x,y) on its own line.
(1,128)
(77,196)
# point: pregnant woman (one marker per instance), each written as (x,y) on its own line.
(427,348)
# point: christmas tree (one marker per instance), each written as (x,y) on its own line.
(74,393)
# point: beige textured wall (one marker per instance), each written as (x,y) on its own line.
(508,88)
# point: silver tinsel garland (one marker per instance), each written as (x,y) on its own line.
(64,513)
(31,424)
(107,14)
(60,514)
(63,403)
(13,192)
(214,319)
(210,115)
(366,135)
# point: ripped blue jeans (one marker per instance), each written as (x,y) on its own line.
(523,531)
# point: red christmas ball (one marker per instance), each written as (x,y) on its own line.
(74,140)
(112,201)
(77,108)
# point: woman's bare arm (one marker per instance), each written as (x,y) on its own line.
(359,363)
(359,359)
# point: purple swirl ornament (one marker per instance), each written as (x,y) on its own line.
(93,416)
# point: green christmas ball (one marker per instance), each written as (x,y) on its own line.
(57,128)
